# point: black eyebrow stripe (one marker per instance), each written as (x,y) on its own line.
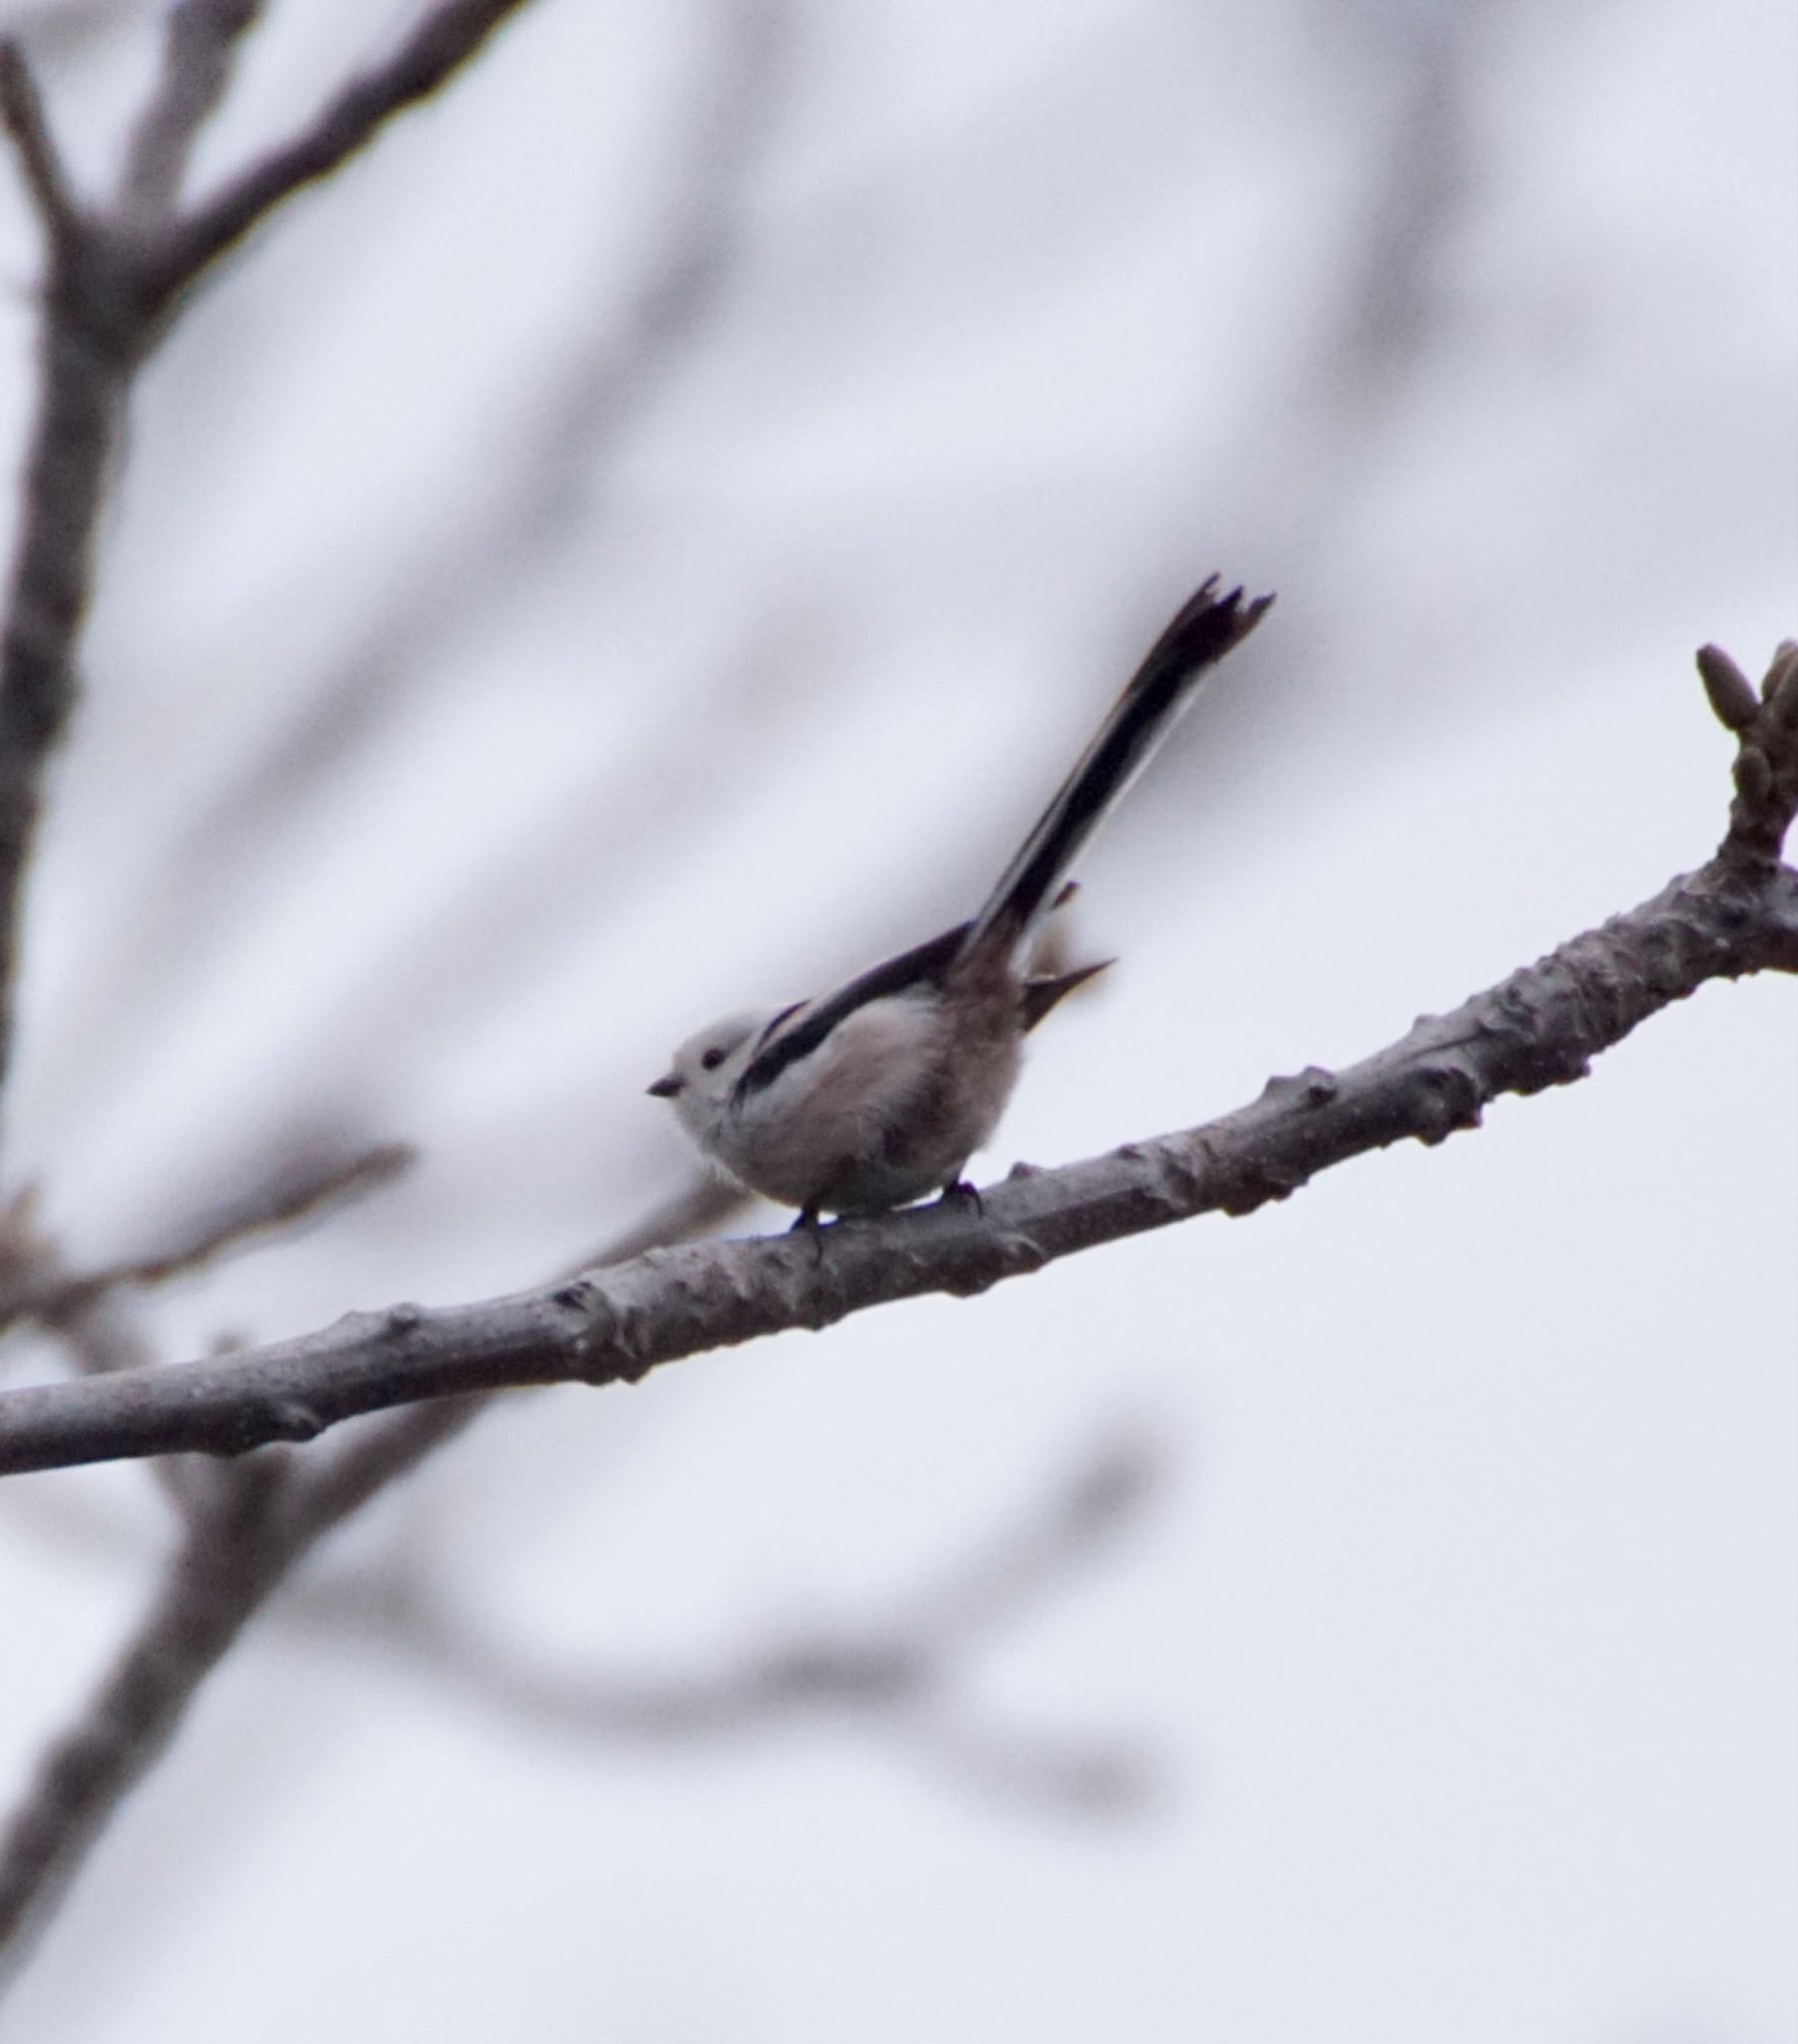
(923,964)
(775,1021)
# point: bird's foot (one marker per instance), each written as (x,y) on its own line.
(810,1221)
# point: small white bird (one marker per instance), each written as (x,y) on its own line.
(874,1094)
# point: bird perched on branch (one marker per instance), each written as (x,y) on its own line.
(871,1096)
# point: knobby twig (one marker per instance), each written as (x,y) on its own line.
(390,1448)
(86,347)
(91,1320)
(1735,915)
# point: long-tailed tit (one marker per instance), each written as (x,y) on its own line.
(878,1093)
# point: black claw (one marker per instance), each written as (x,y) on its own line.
(808,1219)
(965,1192)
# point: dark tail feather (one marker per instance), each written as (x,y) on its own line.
(1204,631)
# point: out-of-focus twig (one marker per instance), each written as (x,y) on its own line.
(111,285)
(198,44)
(445,37)
(242,1537)
(300,1190)
(487,541)
(1392,304)
(225,1565)
(699,1207)
(89,1318)
(97,1332)
(898,1674)
(22,112)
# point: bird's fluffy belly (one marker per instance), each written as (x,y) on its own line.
(870,1119)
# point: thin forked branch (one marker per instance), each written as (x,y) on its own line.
(197,49)
(439,45)
(110,282)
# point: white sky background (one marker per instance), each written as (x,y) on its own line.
(1454,1652)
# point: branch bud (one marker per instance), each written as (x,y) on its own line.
(1729,691)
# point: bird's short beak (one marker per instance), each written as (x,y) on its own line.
(666,1086)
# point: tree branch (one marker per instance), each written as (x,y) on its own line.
(443,41)
(87,351)
(1540,1027)
(300,1189)
(897,1670)
(22,114)
(107,291)
(224,1568)
(202,39)
(242,1538)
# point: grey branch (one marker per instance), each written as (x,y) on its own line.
(442,41)
(22,112)
(225,1565)
(242,1538)
(198,46)
(1541,1027)
(110,286)
(300,1189)
(898,1671)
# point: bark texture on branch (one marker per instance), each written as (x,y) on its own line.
(1540,1027)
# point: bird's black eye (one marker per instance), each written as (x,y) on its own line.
(712,1058)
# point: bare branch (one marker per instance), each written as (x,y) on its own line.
(222,1569)
(201,40)
(242,1538)
(299,1191)
(97,1331)
(34,1283)
(1539,1028)
(898,1673)
(107,296)
(445,39)
(22,112)
(324,1495)
(86,357)
(700,1208)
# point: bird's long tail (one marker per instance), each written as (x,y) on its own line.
(1169,680)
